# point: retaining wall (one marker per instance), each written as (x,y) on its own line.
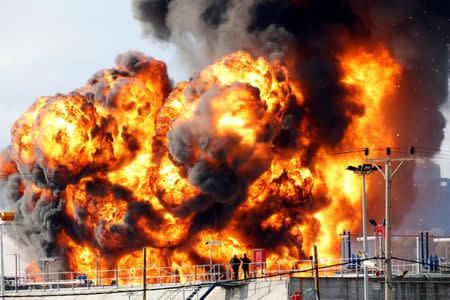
(353,288)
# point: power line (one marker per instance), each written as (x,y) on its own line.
(418,262)
(278,274)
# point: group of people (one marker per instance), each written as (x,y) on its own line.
(235,263)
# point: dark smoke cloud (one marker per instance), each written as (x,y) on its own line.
(220,164)
(155,11)
(291,208)
(310,35)
(36,171)
(39,216)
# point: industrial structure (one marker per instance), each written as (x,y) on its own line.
(425,277)
(368,271)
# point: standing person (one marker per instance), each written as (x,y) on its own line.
(246,266)
(235,263)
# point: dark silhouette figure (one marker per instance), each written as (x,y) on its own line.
(246,266)
(235,263)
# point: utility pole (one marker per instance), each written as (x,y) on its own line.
(144,275)
(15,267)
(388,177)
(316,273)
(96,270)
(388,254)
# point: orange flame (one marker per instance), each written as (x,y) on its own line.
(103,150)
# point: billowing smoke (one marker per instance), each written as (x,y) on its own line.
(310,36)
(120,163)
(74,140)
(226,142)
(236,153)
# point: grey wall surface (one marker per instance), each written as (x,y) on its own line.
(352,288)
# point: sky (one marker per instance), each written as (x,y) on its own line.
(52,46)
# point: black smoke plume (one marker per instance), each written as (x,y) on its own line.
(310,35)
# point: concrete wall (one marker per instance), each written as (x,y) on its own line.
(353,288)
(254,290)
(277,289)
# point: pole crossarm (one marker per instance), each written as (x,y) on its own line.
(385,159)
(389,159)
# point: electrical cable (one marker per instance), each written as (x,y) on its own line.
(183,286)
(418,262)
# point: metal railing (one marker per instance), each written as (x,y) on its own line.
(133,278)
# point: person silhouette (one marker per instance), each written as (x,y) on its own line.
(246,266)
(235,263)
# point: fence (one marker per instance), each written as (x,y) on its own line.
(129,278)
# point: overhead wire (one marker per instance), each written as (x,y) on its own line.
(120,291)
(419,262)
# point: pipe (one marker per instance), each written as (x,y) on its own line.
(369,238)
(380,244)
(343,246)
(349,246)
(427,247)
(418,254)
(441,240)
(374,244)
(422,252)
